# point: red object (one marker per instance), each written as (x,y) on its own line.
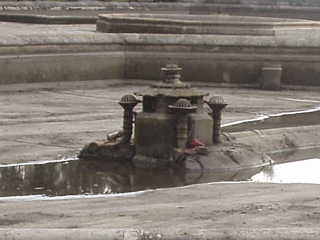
(195,143)
(193,146)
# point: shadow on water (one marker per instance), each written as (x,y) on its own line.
(78,177)
(75,177)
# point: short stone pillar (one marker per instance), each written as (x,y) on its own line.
(128,102)
(216,104)
(182,108)
(271,76)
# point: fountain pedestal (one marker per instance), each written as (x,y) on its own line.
(161,126)
(175,130)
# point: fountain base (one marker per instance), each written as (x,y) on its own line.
(108,151)
(220,157)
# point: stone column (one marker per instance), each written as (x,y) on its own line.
(216,104)
(271,76)
(181,109)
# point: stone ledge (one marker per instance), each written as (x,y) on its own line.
(279,138)
(168,234)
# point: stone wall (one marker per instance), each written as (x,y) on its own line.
(61,67)
(34,58)
(214,59)
(223,59)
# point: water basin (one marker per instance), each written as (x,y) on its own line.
(75,177)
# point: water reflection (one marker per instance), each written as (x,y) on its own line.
(76,177)
(306,171)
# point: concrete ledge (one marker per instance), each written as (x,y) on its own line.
(60,57)
(92,7)
(219,59)
(217,24)
(279,138)
(67,40)
(208,58)
(64,67)
(163,234)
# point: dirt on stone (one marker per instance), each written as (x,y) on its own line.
(55,120)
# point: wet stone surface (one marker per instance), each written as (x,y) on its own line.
(92,177)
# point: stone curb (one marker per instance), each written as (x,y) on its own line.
(164,234)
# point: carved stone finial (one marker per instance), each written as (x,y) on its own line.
(171,73)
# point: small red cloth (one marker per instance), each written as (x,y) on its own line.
(195,143)
(193,146)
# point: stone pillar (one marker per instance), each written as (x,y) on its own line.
(182,130)
(216,104)
(182,108)
(128,102)
(271,76)
(216,115)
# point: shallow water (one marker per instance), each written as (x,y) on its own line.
(306,171)
(74,177)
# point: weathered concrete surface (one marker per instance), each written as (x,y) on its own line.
(52,120)
(75,52)
(213,24)
(42,53)
(219,211)
(68,52)
(269,8)
(167,234)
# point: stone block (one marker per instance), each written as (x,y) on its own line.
(271,76)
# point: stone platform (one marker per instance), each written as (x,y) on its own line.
(213,24)
(228,55)
(53,120)
(42,53)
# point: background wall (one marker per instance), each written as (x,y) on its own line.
(215,59)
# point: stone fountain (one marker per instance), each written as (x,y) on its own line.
(176,127)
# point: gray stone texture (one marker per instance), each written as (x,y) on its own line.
(51,52)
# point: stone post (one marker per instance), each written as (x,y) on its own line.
(271,76)
(182,108)
(216,104)
(128,102)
